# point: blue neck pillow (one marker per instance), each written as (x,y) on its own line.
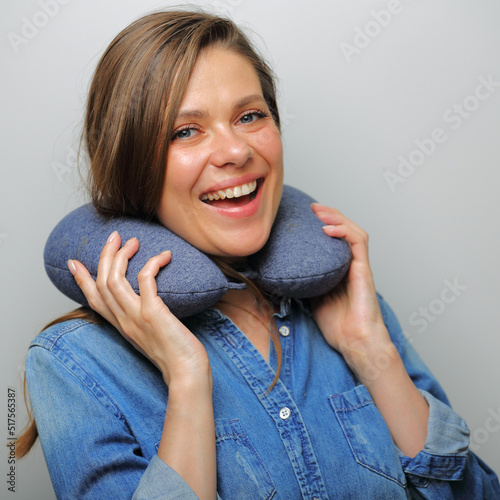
(298,261)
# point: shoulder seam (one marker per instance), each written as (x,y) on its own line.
(47,339)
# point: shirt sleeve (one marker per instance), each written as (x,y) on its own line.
(89,449)
(154,481)
(445,468)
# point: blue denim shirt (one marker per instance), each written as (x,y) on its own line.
(100,407)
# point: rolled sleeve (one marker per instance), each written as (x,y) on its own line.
(446,445)
(158,479)
(445,468)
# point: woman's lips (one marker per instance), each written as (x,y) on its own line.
(240,206)
(235,191)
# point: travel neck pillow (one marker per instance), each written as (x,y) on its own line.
(298,261)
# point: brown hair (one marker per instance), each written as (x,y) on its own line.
(133,101)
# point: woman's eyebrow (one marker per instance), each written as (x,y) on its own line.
(199,113)
(191,113)
(248,100)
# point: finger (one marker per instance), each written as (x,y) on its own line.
(88,286)
(118,285)
(108,253)
(356,237)
(108,287)
(331,217)
(339,226)
(147,282)
(319,207)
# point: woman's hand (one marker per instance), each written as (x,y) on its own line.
(187,442)
(350,319)
(145,321)
(349,316)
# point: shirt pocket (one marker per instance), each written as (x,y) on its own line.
(241,473)
(367,433)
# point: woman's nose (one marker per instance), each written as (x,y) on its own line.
(230,149)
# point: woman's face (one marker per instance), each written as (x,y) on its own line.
(224,172)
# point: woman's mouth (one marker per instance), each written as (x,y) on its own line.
(233,197)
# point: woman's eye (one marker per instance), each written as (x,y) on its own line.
(252,116)
(185,133)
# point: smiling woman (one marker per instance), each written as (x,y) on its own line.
(225,141)
(182,127)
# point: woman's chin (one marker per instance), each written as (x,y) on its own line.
(238,249)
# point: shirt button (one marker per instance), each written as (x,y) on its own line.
(284,331)
(285,413)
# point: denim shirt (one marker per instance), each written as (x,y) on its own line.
(100,406)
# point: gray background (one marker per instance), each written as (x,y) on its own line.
(347,120)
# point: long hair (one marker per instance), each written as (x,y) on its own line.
(133,101)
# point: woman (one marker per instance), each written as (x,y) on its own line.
(182,109)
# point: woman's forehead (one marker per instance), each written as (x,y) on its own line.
(220,73)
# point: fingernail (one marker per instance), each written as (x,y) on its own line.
(166,252)
(130,241)
(71,267)
(111,236)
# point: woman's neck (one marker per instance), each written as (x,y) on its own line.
(251,316)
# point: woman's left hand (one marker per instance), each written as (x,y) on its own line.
(350,319)
(349,316)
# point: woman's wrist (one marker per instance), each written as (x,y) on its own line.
(187,444)
(370,356)
(379,367)
(195,381)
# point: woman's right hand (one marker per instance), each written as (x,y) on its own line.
(145,321)
(187,442)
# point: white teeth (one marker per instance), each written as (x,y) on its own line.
(234,192)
